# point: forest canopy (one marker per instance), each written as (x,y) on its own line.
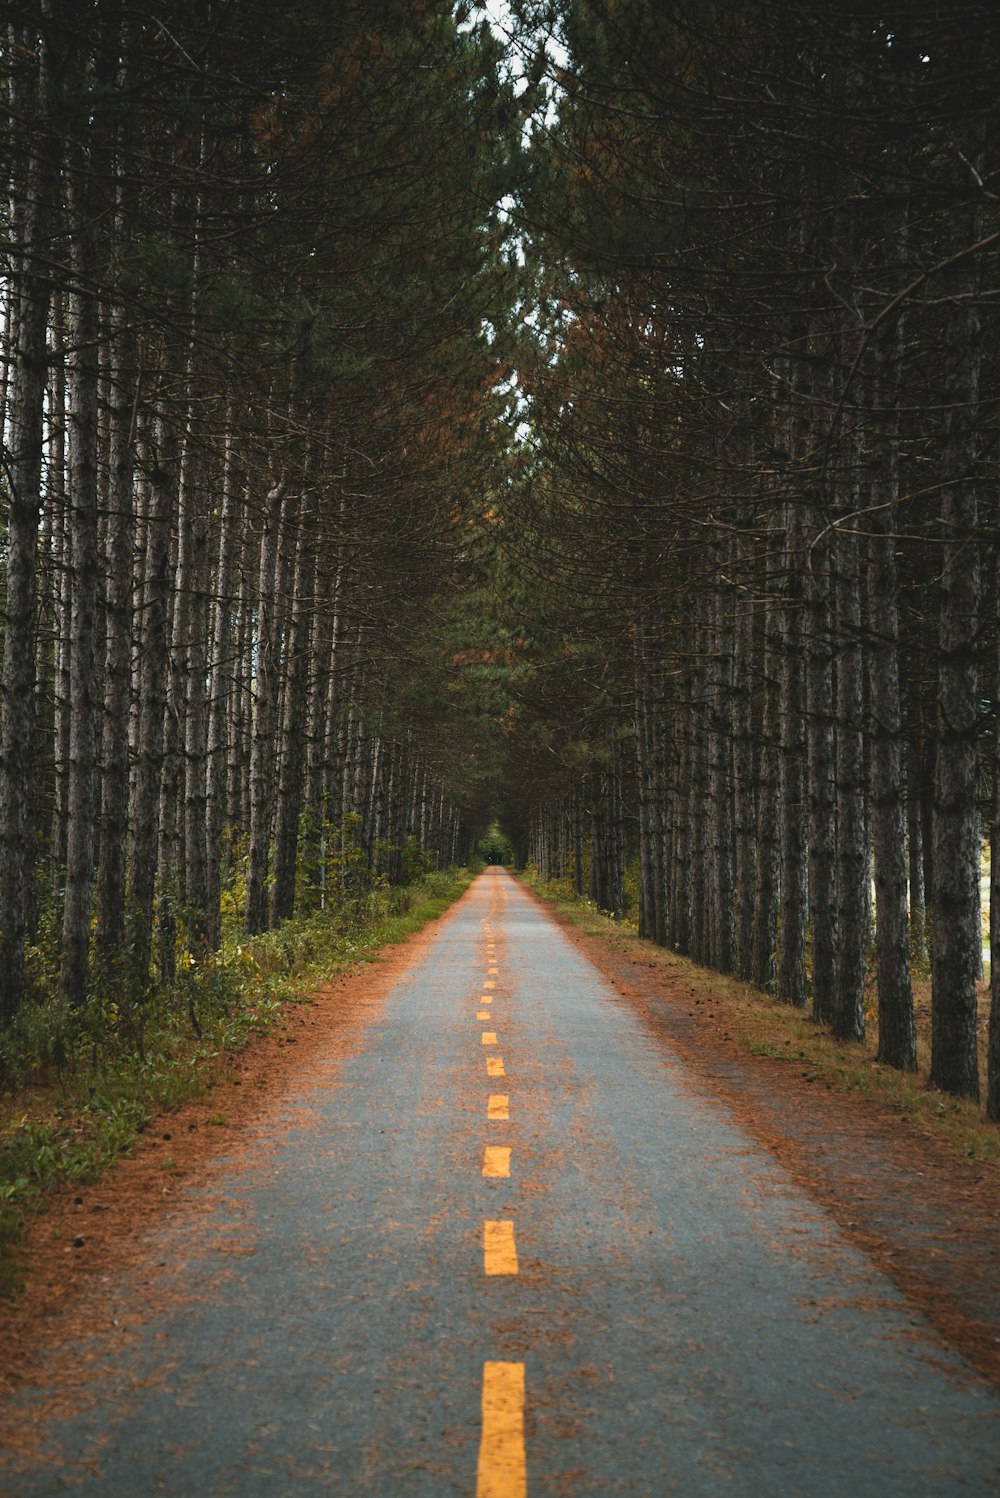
(575,424)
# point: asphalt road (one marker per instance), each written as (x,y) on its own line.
(505,1247)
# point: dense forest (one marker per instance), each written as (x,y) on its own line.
(580,418)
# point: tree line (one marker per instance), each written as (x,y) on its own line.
(761,381)
(395,434)
(247,385)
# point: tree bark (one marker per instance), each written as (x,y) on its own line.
(110,916)
(224,660)
(83,372)
(993,1036)
(31,287)
(956,938)
(791,977)
(289,797)
(897,1042)
(266,687)
(153,671)
(768,804)
(852,853)
(822,800)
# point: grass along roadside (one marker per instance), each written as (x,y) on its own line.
(68,1123)
(764,1026)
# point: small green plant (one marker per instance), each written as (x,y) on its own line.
(80,1087)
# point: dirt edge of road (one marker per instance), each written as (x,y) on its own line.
(87,1237)
(929,1222)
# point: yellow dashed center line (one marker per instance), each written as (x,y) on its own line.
(502,1466)
(496,1161)
(502,1469)
(499,1248)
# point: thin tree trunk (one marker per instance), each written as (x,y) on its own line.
(791,978)
(682,825)
(993,1038)
(83,501)
(289,797)
(822,798)
(153,671)
(852,854)
(644,774)
(110,922)
(766,888)
(957,939)
(723,932)
(897,1041)
(24,472)
(62,594)
(915,863)
(220,671)
(265,707)
(744,783)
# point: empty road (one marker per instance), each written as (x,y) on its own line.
(506,1246)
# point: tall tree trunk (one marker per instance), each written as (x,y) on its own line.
(31,287)
(852,854)
(221,669)
(791,978)
(915,861)
(766,887)
(723,933)
(897,1042)
(822,802)
(289,797)
(240,728)
(993,1039)
(265,707)
(644,773)
(110,922)
(957,939)
(682,822)
(153,671)
(744,782)
(84,330)
(190,633)
(62,593)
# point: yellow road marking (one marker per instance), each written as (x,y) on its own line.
(496,1161)
(483,1014)
(499,1248)
(489,983)
(489,1037)
(498,1106)
(502,1466)
(494,1066)
(495,970)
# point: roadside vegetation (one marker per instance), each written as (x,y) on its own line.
(82,1084)
(764,1025)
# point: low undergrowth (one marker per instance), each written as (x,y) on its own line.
(764,1026)
(80,1087)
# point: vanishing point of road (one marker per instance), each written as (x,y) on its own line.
(507,1246)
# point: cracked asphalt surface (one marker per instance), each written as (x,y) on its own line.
(688,1321)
